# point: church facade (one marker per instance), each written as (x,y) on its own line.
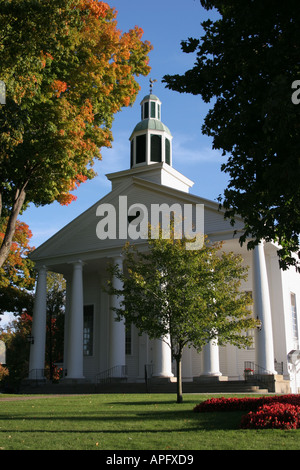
(94,343)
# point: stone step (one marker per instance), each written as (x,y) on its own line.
(170,387)
(59,389)
(223,387)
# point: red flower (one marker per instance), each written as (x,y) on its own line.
(280,412)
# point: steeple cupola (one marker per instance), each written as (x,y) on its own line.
(151,140)
(151,151)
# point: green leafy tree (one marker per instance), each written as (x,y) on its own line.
(190,296)
(246,63)
(67,70)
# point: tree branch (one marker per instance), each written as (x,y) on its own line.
(11,224)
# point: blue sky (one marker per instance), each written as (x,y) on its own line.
(165,24)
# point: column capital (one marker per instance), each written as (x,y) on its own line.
(118,259)
(41,269)
(78,263)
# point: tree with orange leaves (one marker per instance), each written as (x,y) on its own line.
(17,278)
(67,70)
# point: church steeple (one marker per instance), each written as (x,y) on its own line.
(151,140)
(151,150)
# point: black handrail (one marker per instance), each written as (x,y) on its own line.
(107,375)
(255,372)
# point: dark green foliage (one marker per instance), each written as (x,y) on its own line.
(246,62)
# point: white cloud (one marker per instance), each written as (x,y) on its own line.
(186,149)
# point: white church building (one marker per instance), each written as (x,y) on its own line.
(95,344)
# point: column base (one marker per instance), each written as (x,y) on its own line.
(210,378)
(74,381)
(117,380)
(162,380)
(35,381)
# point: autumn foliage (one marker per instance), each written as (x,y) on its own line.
(17,278)
(68,70)
(4,372)
(17,270)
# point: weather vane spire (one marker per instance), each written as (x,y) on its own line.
(151,84)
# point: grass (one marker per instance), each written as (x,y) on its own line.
(128,422)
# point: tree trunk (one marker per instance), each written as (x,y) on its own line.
(11,225)
(179,380)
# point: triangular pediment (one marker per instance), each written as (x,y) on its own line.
(80,238)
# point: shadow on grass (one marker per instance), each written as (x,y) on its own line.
(206,425)
(146,403)
(154,421)
(116,415)
(156,401)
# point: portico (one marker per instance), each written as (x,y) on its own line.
(78,273)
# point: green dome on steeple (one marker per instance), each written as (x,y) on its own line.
(153,124)
(151,97)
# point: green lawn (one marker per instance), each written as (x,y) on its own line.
(128,422)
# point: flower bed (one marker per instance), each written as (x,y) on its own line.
(245,403)
(274,416)
(278,411)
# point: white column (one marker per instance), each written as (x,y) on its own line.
(187,370)
(75,347)
(37,349)
(262,309)
(117,328)
(162,361)
(67,320)
(211,360)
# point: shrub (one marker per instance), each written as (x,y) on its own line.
(245,403)
(275,411)
(3,373)
(274,416)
